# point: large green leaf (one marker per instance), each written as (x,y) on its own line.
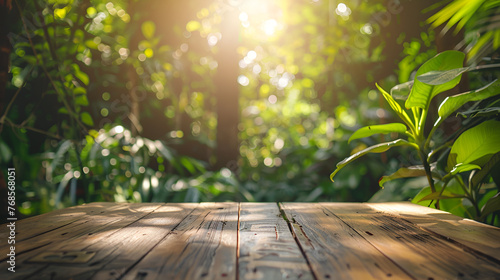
(407,172)
(395,106)
(444,195)
(440,77)
(452,103)
(479,176)
(491,206)
(376,129)
(457,12)
(487,112)
(435,78)
(476,144)
(379,148)
(421,94)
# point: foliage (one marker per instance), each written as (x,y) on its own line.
(475,149)
(115,101)
(480,19)
(82,69)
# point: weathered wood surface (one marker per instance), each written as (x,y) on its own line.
(252,241)
(267,248)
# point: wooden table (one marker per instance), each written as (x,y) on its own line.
(251,241)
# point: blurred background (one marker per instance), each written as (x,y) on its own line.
(197,100)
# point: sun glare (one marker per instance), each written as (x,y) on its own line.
(260,14)
(269,26)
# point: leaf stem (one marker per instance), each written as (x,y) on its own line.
(428,173)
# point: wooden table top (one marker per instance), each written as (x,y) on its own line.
(251,241)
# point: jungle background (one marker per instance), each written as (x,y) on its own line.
(238,100)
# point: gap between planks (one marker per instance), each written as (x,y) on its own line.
(296,238)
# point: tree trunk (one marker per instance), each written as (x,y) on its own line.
(227,92)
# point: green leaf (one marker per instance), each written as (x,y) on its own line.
(436,78)
(186,163)
(487,112)
(83,77)
(79,90)
(82,100)
(421,94)
(375,129)
(452,103)
(492,205)
(148,29)
(406,172)
(440,77)
(459,168)
(379,148)
(438,195)
(476,144)
(395,106)
(457,12)
(86,119)
(479,176)
(402,90)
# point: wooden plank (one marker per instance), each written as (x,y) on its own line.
(267,249)
(334,249)
(96,226)
(119,248)
(34,226)
(418,252)
(203,246)
(472,234)
(94,218)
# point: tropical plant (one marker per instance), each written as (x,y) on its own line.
(475,149)
(481,21)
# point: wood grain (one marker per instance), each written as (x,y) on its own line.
(65,229)
(119,247)
(240,241)
(334,249)
(267,248)
(202,246)
(99,218)
(418,252)
(34,226)
(474,235)
(92,236)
